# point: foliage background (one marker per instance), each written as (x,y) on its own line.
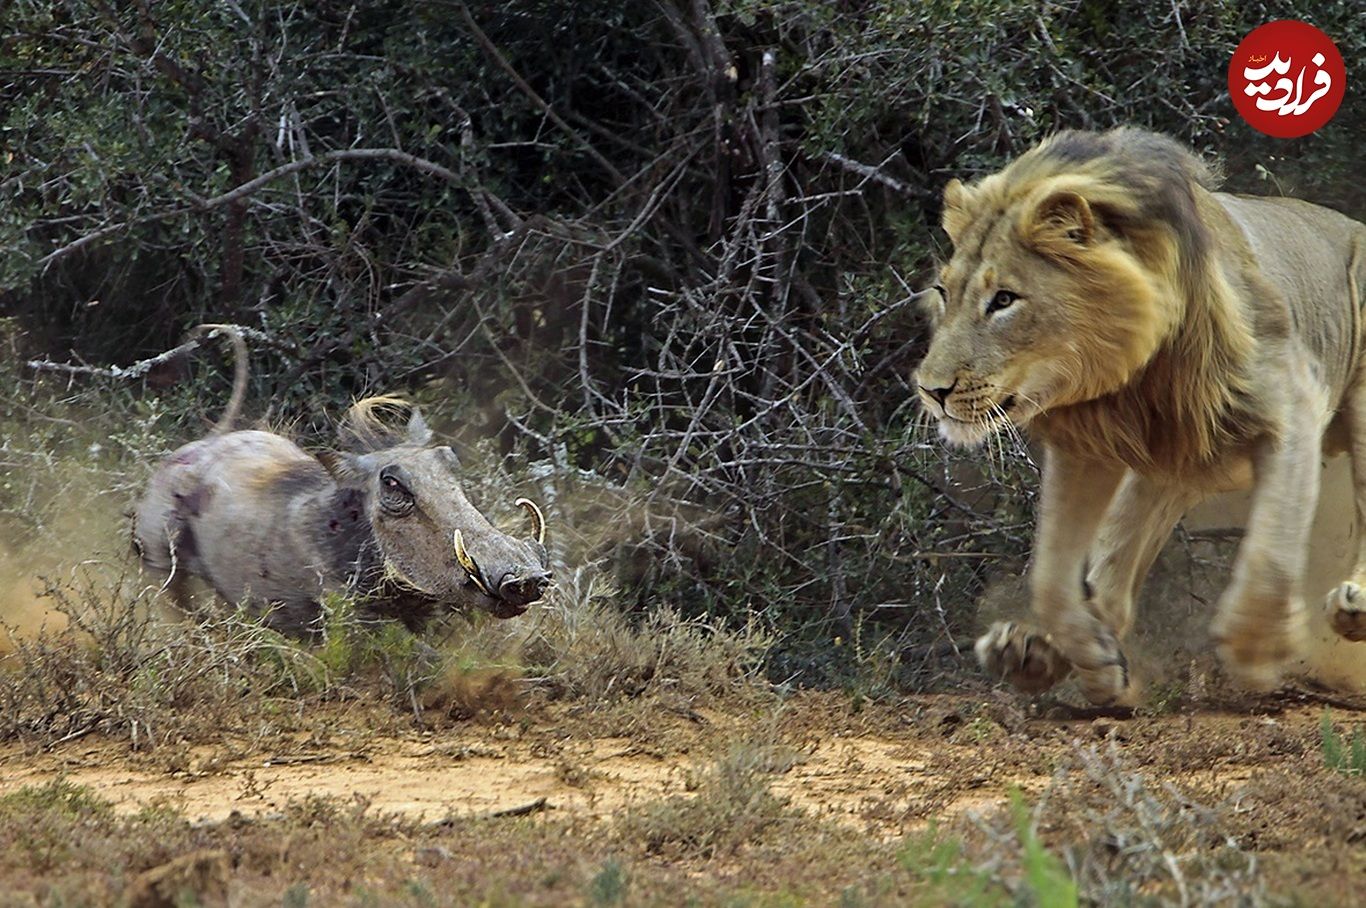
(667,248)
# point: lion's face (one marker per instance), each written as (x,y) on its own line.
(1040,306)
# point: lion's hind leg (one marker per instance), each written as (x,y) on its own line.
(1346,605)
(1262,624)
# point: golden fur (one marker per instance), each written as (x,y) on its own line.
(369,424)
(1165,341)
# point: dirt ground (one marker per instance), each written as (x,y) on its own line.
(838,770)
(879,773)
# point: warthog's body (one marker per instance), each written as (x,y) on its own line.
(268,524)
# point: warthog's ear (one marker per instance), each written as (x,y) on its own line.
(419,433)
(346,469)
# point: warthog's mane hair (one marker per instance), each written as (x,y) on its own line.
(369,424)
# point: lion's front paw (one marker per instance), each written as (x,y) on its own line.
(1094,651)
(1254,642)
(1347,611)
(1021,656)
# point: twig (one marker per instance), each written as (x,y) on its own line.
(342,154)
(142,367)
(1066,711)
(492,50)
(521,810)
(868,172)
(941,650)
(238,192)
(1291,694)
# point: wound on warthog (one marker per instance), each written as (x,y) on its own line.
(190,504)
(348,527)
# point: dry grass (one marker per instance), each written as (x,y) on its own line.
(116,668)
(730,804)
(584,647)
(1121,841)
(580,647)
(120,667)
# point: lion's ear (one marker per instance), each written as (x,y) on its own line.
(1062,223)
(956,202)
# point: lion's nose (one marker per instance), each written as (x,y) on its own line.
(940,394)
(523,589)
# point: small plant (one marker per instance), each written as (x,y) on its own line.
(947,874)
(1165,698)
(296,896)
(58,796)
(609,885)
(1340,755)
(1052,884)
(354,648)
(1134,839)
(584,645)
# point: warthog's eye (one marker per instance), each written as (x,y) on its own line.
(1003,299)
(394,497)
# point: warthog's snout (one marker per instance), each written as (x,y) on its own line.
(515,593)
(519,567)
(523,589)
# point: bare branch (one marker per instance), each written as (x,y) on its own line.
(142,367)
(247,188)
(492,50)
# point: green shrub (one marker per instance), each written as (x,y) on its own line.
(1339,754)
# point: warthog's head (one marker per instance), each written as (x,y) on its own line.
(430,537)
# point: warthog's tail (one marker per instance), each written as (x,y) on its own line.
(239,376)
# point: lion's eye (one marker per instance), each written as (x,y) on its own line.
(1003,299)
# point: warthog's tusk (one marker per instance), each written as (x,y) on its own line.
(537,518)
(468,564)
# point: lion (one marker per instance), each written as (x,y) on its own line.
(1165,342)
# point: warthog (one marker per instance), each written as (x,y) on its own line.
(383,518)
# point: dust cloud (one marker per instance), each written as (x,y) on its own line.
(76,529)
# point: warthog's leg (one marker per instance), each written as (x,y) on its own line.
(1135,527)
(167,550)
(1261,622)
(301,617)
